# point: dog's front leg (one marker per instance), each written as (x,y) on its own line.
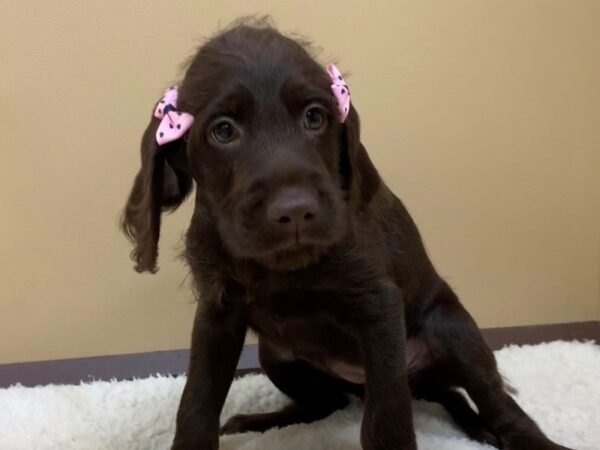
(217,340)
(387,421)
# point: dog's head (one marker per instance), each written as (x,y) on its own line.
(274,167)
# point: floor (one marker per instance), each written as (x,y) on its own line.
(558,384)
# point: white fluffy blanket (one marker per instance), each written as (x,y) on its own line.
(558,384)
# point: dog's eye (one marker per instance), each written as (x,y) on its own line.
(314,119)
(224,131)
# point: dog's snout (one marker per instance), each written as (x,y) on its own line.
(293,208)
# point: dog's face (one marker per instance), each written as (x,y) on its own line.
(265,153)
(271,161)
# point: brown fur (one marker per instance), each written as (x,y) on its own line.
(353,295)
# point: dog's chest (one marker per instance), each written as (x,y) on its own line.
(302,330)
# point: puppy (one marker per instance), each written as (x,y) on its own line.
(295,236)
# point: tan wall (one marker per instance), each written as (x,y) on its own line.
(483,116)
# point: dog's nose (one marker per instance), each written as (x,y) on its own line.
(293,208)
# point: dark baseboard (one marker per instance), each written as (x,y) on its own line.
(140,365)
(497,338)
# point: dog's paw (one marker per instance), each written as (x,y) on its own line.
(536,443)
(240,423)
(486,437)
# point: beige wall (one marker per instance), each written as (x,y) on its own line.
(483,116)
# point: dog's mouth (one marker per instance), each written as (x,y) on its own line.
(282,252)
(294,250)
(294,255)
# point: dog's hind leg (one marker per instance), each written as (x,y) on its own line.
(431,389)
(314,394)
(464,360)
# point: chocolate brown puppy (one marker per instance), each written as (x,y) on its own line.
(296,236)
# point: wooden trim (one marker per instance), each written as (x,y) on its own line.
(140,365)
(120,367)
(497,338)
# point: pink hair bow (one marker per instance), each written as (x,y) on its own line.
(341,93)
(174,124)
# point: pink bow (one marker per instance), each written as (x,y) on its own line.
(341,93)
(174,123)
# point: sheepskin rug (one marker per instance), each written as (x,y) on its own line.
(558,384)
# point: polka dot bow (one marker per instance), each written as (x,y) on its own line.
(174,124)
(340,91)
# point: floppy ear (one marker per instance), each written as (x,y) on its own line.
(362,179)
(161,185)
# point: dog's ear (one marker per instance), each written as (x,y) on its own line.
(161,185)
(360,175)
